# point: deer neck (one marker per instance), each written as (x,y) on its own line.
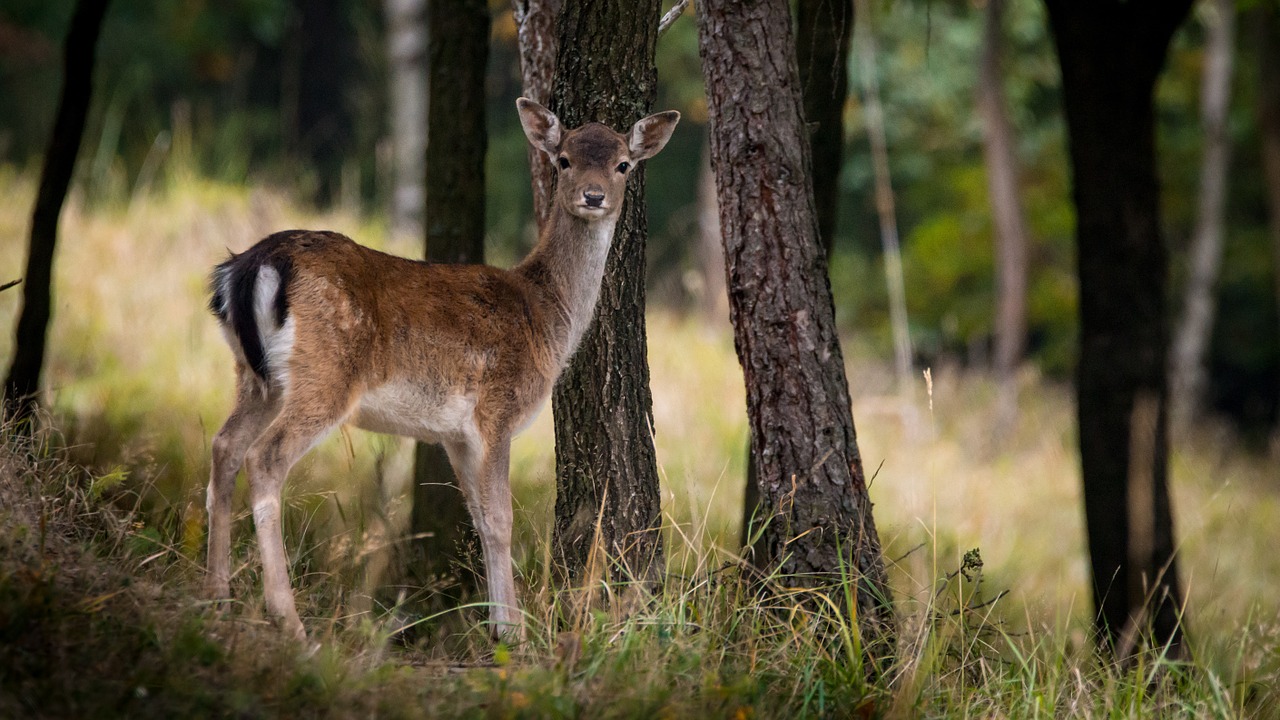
(567,267)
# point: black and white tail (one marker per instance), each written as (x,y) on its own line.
(250,299)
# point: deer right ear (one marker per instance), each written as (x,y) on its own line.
(541,126)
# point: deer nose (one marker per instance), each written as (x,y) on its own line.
(594,198)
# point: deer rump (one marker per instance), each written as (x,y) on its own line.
(251,301)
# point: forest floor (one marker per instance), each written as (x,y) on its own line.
(101,533)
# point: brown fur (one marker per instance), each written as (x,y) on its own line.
(463,355)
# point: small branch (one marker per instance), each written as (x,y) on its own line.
(9,284)
(672,15)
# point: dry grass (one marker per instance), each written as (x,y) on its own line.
(141,379)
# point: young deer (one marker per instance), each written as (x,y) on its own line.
(326,331)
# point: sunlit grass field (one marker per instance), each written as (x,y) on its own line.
(140,380)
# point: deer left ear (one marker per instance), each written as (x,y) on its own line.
(649,135)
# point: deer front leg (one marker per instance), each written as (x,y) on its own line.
(483,474)
(252,413)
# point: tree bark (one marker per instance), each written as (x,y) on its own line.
(406,55)
(457,54)
(1007,216)
(1191,342)
(606,468)
(1111,53)
(536,37)
(1268,28)
(802,434)
(22,384)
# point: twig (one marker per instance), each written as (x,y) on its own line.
(672,15)
(9,284)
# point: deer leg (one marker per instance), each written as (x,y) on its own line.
(485,481)
(302,422)
(251,414)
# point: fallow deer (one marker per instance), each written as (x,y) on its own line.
(325,331)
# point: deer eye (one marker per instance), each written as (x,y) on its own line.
(564,163)
(623,167)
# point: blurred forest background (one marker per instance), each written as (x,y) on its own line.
(295,95)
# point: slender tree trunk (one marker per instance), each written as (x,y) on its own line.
(327,64)
(1191,342)
(803,441)
(22,384)
(1111,53)
(536,36)
(823,29)
(1011,234)
(1267,21)
(710,253)
(457,54)
(606,469)
(888,218)
(406,54)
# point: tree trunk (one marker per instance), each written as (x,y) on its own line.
(710,253)
(406,54)
(327,60)
(1191,342)
(1111,54)
(1268,28)
(1006,213)
(536,36)
(802,433)
(22,384)
(606,468)
(823,28)
(457,53)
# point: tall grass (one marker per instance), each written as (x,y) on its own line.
(140,379)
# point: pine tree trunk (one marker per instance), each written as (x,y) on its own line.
(457,53)
(1111,54)
(606,468)
(22,384)
(536,36)
(803,441)
(1191,342)
(1006,212)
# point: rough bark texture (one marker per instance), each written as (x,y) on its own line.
(457,53)
(406,55)
(1007,217)
(536,36)
(79,53)
(802,433)
(1267,22)
(1111,53)
(823,29)
(606,469)
(1191,342)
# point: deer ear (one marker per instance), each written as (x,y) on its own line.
(541,126)
(649,135)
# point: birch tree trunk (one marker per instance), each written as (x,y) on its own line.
(536,37)
(1191,342)
(406,55)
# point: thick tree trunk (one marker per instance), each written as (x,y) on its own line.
(1007,217)
(1111,54)
(803,440)
(536,36)
(1268,28)
(457,53)
(22,384)
(606,469)
(406,55)
(1191,342)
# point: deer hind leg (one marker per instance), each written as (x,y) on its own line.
(253,411)
(483,474)
(304,419)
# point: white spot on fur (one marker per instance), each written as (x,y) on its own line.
(264,510)
(277,340)
(409,409)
